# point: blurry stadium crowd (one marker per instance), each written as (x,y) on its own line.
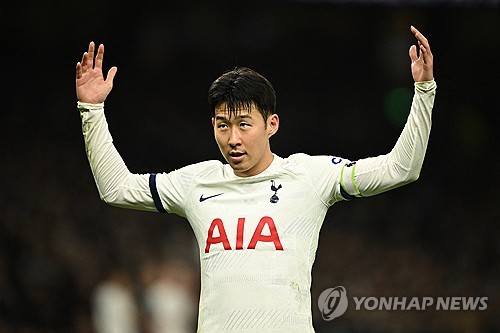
(64,268)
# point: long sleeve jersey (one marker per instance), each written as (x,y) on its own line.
(257,235)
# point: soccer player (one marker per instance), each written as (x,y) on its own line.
(257,218)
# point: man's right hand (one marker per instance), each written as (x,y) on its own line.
(91,87)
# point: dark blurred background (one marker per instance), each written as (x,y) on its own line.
(342,74)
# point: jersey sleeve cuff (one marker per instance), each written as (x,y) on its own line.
(86,107)
(425,86)
(155,194)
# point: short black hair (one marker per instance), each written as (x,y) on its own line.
(241,88)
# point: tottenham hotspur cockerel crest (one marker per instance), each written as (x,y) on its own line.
(274,197)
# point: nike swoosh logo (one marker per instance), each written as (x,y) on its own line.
(202,198)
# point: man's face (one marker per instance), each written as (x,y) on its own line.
(243,139)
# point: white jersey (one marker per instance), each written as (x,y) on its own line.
(257,235)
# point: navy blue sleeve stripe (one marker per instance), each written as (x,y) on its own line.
(155,194)
(346,195)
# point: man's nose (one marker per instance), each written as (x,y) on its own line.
(234,137)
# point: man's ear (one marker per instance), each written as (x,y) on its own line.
(273,124)
(213,121)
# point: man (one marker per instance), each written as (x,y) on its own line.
(256,219)
(114,308)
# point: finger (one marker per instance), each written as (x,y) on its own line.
(426,55)
(90,55)
(111,74)
(423,53)
(426,48)
(83,63)
(423,41)
(78,70)
(413,53)
(413,29)
(421,48)
(100,57)
(83,58)
(420,37)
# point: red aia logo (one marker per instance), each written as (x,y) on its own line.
(257,235)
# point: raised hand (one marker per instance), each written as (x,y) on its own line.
(91,87)
(422,63)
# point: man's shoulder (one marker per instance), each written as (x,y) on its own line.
(196,173)
(312,166)
(306,159)
(202,168)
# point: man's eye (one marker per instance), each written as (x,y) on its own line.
(222,126)
(244,125)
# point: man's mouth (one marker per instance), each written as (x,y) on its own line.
(236,156)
